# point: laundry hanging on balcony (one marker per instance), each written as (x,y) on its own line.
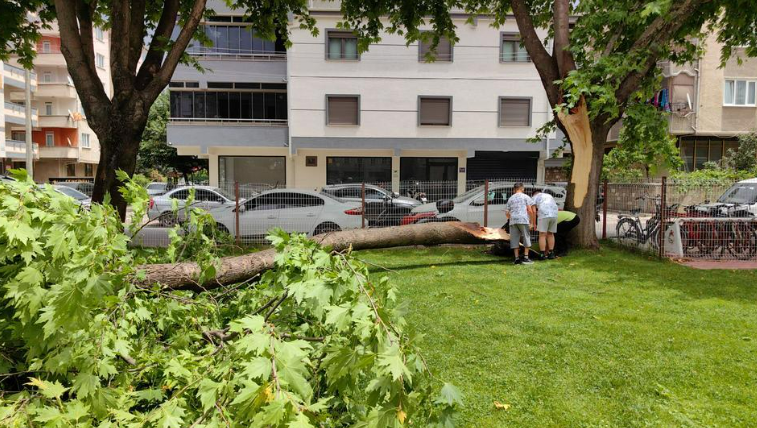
(661,100)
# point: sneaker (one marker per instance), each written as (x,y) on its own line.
(552,255)
(541,256)
(518,261)
(527,261)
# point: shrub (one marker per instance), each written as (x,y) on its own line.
(314,342)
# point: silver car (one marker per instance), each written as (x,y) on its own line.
(206,197)
(80,198)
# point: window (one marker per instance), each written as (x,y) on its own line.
(85,141)
(342,110)
(48,109)
(514,111)
(350,169)
(269,170)
(435,111)
(181,195)
(99,34)
(696,152)
(298,200)
(49,139)
(443,49)
(739,93)
(71,170)
(341,45)
(47,77)
(263,203)
(511,50)
(100,60)
(236,40)
(89,170)
(46,47)
(234,105)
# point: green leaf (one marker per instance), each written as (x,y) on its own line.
(48,389)
(449,395)
(300,421)
(85,384)
(258,368)
(207,392)
(391,359)
(252,323)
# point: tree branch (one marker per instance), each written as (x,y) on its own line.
(119,50)
(136,33)
(84,12)
(153,89)
(544,62)
(563,56)
(654,38)
(155,54)
(80,62)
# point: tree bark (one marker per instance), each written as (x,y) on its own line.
(587,140)
(233,270)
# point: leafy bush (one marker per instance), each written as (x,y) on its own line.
(314,342)
(745,158)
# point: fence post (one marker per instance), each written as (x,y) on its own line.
(362,204)
(663,208)
(236,213)
(604,209)
(486,203)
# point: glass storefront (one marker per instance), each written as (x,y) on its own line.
(269,170)
(358,170)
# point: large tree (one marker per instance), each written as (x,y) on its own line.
(602,64)
(144,53)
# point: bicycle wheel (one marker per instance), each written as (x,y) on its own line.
(745,242)
(628,232)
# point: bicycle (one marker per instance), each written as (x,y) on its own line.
(713,237)
(630,230)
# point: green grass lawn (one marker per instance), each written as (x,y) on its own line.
(606,339)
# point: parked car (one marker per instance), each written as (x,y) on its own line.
(301,211)
(382,207)
(741,197)
(206,197)
(469,206)
(79,197)
(157,188)
(85,187)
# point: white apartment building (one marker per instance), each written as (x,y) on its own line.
(67,146)
(319,113)
(13,115)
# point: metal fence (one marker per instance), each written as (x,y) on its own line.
(247,211)
(706,220)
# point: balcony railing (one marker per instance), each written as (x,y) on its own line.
(19,108)
(18,71)
(236,54)
(218,121)
(19,146)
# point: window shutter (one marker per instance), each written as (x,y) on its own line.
(343,110)
(515,112)
(443,49)
(435,111)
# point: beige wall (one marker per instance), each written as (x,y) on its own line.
(48,168)
(713,117)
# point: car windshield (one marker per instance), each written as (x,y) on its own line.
(158,186)
(740,194)
(468,195)
(79,196)
(330,196)
(225,194)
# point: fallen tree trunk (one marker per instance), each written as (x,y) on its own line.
(232,270)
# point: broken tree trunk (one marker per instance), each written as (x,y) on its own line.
(232,270)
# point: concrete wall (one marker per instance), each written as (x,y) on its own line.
(713,117)
(389,78)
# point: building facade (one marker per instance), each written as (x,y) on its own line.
(320,113)
(13,116)
(67,146)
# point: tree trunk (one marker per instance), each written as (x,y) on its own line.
(233,270)
(587,144)
(119,145)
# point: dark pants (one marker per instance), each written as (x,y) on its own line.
(561,237)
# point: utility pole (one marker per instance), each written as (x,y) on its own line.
(28,133)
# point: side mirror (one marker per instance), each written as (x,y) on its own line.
(395,195)
(706,201)
(242,208)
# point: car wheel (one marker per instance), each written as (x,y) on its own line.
(168,219)
(326,228)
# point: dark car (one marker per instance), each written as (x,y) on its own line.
(382,207)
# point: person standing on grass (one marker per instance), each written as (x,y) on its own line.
(520,212)
(546,223)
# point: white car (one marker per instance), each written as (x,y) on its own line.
(469,206)
(156,188)
(742,196)
(301,211)
(80,198)
(206,197)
